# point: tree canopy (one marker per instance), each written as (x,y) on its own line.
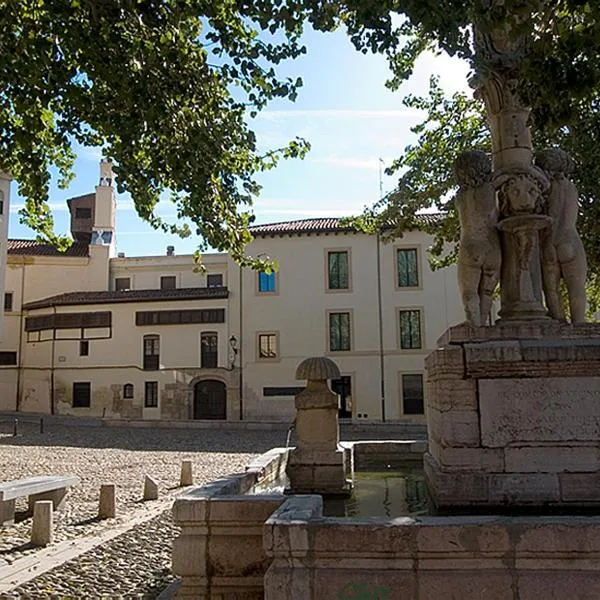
(166,88)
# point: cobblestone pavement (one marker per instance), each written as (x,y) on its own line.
(137,563)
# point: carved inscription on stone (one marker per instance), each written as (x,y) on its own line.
(537,410)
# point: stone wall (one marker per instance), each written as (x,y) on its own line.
(430,558)
(514,414)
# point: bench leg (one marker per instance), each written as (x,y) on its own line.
(57,497)
(7,512)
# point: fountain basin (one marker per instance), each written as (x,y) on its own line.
(219,552)
(430,558)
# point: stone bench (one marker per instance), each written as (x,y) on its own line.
(44,487)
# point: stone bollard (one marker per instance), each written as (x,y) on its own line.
(108,505)
(42,530)
(150,488)
(186,473)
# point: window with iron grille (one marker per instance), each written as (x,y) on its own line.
(8,301)
(209,348)
(412,394)
(82,391)
(151,394)
(84,348)
(168,282)
(408,267)
(151,352)
(128,390)
(410,329)
(214,280)
(338,274)
(339,332)
(267,345)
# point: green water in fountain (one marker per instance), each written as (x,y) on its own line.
(397,493)
(391,493)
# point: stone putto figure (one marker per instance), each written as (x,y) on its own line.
(563,254)
(479,255)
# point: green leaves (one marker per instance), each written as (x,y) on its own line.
(165,88)
(136,79)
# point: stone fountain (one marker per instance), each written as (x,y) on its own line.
(513,414)
(317,465)
(513,409)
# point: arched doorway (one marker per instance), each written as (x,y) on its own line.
(210,400)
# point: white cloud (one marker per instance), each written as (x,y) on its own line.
(54,207)
(309,212)
(350,162)
(340,113)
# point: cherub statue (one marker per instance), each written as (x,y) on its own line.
(479,255)
(563,254)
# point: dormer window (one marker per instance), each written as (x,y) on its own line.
(168,282)
(122,284)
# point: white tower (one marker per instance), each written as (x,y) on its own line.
(105,209)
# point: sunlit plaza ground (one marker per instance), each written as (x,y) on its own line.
(136,563)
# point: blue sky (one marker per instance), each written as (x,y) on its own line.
(343,109)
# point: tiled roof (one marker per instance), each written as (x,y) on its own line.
(327,225)
(75,298)
(35,248)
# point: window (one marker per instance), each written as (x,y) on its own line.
(412,395)
(151,394)
(339,331)
(81,394)
(180,317)
(69,321)
(1,203)
(214,280)
(8,301)
(168,282)
(83,212)
(84,348)
(266,282)
(282,391)
(122,284)
(267,345)
(408,267)
(209,343)
(151,352)
(128,390)
(343,388)
(8,358)
(410,329)
(338,275)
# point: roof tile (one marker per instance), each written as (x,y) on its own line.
(35,248)
(319,225)
(110,297)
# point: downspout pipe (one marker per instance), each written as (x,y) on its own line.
(380,322)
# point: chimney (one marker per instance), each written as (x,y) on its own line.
(121,255)
(170,250)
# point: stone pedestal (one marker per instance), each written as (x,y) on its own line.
(514,416)
(317,465)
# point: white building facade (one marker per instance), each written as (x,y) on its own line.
(93,333)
